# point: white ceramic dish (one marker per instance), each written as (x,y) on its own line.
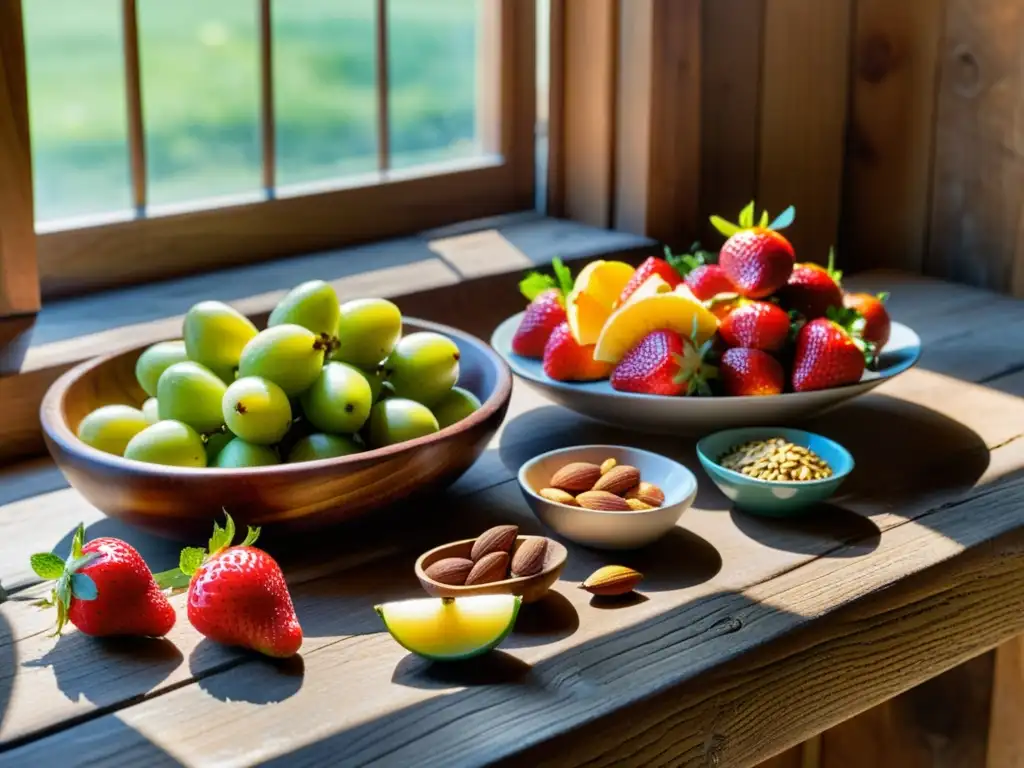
(610,530)
(701,415)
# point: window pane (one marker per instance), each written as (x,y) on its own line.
(432,62)
(324,88)
(200,98)
(77,107)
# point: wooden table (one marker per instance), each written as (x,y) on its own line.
(751,635)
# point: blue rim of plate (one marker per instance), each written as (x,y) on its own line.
(806,436)
(901,354)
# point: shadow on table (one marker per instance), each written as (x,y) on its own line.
(494,668)
(8,661)
(823,529)
(265,680)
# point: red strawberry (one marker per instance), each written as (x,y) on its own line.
(755,325)
(565,359)
(751,372)
(105,589)
(757,259)
(877,324)
(709,280)
(545,312)
(237,595)
(665,268)
(829,352)
(664,363)
(812,289)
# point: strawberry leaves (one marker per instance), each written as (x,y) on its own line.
(853,322)
(47,566)
(536,283)
(192,558)
(70,582)
(784,219)
(746,220)
(685,263)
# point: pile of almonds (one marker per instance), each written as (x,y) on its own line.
(610,487)
(492,559)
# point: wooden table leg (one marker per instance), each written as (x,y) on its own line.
(1005,739)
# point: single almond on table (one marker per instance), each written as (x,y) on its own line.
(618,479)
(529,558)
(492,567)
(638,506)
(500,538)
(607,465)
(602,501)
(648,493)
(559,496)
(451,570)
(612,580)
(576,477)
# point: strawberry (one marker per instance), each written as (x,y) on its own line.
(667,269)
(709,280)
(664,363)
(812,289)
(829,351)
(877,325)
(105,589)
(565,359)
(757,259)
(237,595)
(751,372)
(545,312)
(755,325)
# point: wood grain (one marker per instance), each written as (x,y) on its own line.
(1005,745)
(19,284)
(133,104)
(805,83)
(979,155)
(887,195)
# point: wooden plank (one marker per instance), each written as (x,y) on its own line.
(978,190)
(731,37)
(133,103)
(555,190)
(1005,745)
(805,81)
(19,283)
(382,86)
(518,89)
(887,195)
(791,758)
(633,141)
(268,140)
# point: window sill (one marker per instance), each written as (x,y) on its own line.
(438,275)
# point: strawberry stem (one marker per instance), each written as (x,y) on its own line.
(70,583)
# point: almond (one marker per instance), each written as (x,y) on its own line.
(576,477)
(608,464)
(612,580)
(500,538)
(638,506)
(529,558)
(492,567)
(648,493)
(603,501)
(559,496)
(451,570)
(618,479)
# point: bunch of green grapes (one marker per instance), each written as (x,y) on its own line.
(322,380)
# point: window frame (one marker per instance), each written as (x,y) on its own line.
(115,251)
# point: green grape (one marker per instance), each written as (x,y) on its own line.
(313,305)
(397,419)
(423,367)
(455,406)
(191,393)
(111,427)
(321,446)
(339,400)
(215,335)
(375,378)
(155,360)
(238,454)
(367,331)
(257,410)
(151,410)
(288,355)
(215,444)
(168,442)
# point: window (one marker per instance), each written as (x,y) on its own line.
(175,137)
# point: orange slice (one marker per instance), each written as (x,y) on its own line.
(635,319)
(593,296)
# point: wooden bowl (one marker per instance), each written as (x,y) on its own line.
(531,588)
(180,502)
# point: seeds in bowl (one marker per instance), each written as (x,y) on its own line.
(776,459)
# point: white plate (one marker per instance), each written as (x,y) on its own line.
(698,415)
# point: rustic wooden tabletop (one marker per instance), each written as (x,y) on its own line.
(750,635)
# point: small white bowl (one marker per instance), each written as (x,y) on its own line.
(610,530)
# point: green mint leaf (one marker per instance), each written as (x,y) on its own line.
(883,296)
(763,223)
(47,565)
(189,561)
(250,537)
(83,587)
(562,275)
(727,228)
(78,541)
(784,219)
(534,284)
(747,216)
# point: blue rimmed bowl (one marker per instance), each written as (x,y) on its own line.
(773,498)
